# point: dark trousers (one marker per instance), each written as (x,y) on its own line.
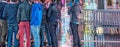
(45,28)
(3,32)
(12,28)
(53,34)
(76,39)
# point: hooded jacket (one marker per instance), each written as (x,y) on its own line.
(2,6)
(36,15)
(24,10)
(10,13)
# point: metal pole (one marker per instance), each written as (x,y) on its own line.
(105,4)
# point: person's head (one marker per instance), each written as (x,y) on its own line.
(49,0)
(63,2)
(46,1)
(59,4)
(21,0)
(5,1)
(12,0)
(53,0)
(37,1)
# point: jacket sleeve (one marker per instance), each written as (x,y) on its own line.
(44,11)
(33,15)
(18,14)
(49,12)
(70,10)
(29,13)
(4,15)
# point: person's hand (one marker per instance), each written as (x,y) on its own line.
(18,36)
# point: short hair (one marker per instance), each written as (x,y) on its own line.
(11,0)
(36,0)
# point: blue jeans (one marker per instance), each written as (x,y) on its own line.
(12,28)
(76,38)
(35,32)
(100,37)
(54,40)
(87,38)
(45,28)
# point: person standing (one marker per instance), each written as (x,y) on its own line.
(45,25)
(54,17)
(23,19)
(75,12)
(10,14)
(36,19)
(3,25)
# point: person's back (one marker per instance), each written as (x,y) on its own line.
(75,11)
(3,25)
(37,18)
(24,12)
(10,12)
(2,6)
(54,13)
(23,18)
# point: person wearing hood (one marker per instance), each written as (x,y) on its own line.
(10,14)
(36,19)
(3,24)
(23,19)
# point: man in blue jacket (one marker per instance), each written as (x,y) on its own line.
(3,25)
(10,13)
(36,19)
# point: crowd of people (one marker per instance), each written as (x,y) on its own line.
(33,17)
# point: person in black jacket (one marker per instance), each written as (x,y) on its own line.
(54,17)
(10,14)
(45,26)
(3,25)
